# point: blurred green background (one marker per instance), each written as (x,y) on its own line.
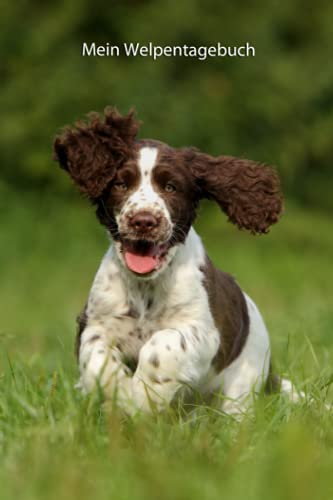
(275,108)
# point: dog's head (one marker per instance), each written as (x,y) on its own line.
(147,193)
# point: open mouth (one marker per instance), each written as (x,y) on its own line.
(142,256)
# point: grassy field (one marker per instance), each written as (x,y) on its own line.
(56,445)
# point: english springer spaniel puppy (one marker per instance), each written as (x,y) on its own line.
(160,319)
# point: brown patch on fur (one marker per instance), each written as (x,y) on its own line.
(132,313)
(248,192)
(171,169)
(229,310)
(273,382)
(113,198)
(102,153)
(94,338)
(153,360)
(92,152)
(182,342)
(81,322)
(138,333)
(130,362)
(154,379)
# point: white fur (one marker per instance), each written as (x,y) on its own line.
(147,160)
(178,336)
(164,321)
(288,388)
(247,373)
(145,198)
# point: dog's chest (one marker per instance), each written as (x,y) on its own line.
(130,313)
(145,317)
(130,310)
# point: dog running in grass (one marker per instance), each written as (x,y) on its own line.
(160,319)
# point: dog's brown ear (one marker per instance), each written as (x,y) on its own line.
(91,152)
(248,192)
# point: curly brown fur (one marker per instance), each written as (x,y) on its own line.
(248,192)
(91,152)
(182,204)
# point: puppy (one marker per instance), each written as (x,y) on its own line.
(160,319)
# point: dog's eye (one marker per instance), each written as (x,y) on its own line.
(122,186)
(169,188)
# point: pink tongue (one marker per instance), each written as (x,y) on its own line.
(141,264)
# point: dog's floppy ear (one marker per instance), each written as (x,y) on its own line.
(91,152)
(248,192)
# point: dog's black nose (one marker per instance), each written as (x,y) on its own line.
(143,222)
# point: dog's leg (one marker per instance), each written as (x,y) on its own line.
(247,373)
(172,358)
(101,365)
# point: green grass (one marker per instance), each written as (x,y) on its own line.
(55,444)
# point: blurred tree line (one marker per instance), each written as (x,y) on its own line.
(276,107)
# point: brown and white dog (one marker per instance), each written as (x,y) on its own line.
(160,316)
